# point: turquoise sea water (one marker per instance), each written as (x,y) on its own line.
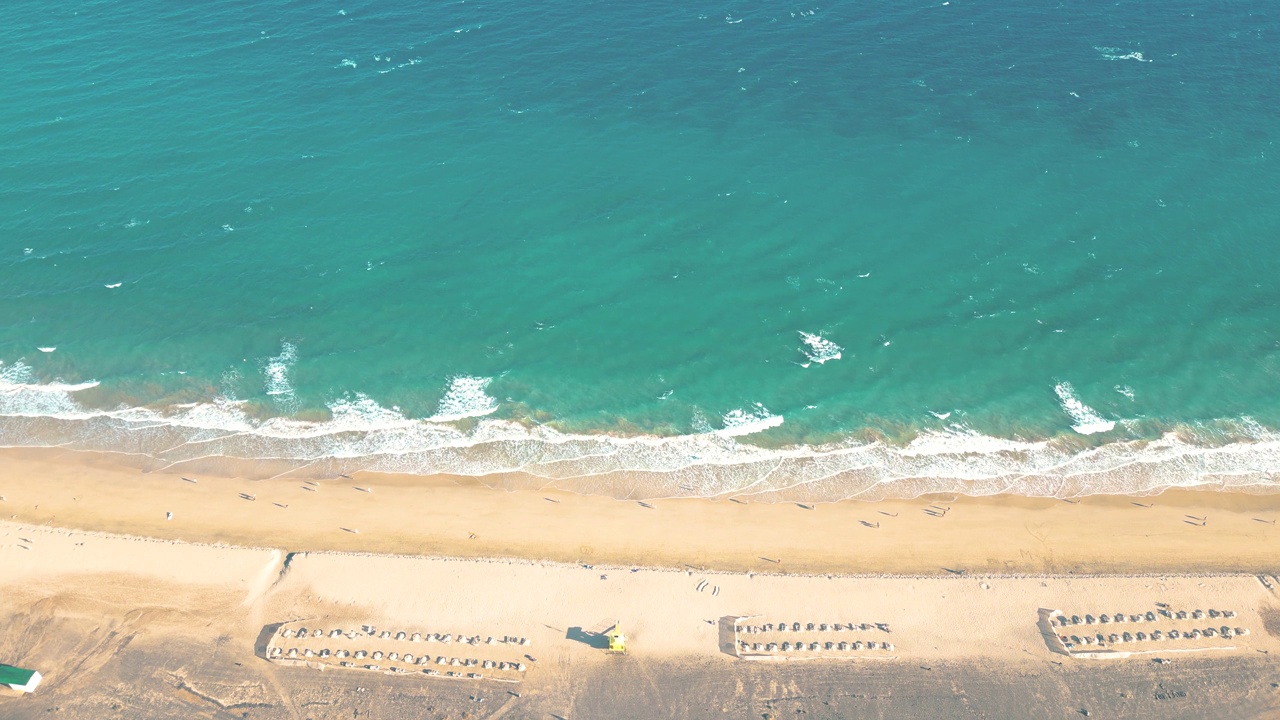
(608,243)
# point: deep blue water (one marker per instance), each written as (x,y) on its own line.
(474,236)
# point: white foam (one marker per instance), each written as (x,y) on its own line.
(362,413)
(276,371)
(46,349)
(366,436)
(19,376)
(1085,420)
(1111,53)
(465,398)
(747,422)
(414,61)
(112,286)
(818,349)
(700,422)
(22,395)
(942,415)
(221,414)
(362,434)
(963,441)
(1125,390)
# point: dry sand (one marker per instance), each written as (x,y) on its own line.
(668,613)
(90,609)
(165,623)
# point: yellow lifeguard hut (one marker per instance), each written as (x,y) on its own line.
(617,641)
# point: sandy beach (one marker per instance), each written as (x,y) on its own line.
(128,627)
(1178,531)
(155,592)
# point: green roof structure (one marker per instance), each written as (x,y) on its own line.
(19,678)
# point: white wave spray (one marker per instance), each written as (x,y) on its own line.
(819,349)
(748,422)
(1085,420)
(465,398)
(365,435)
(276,371)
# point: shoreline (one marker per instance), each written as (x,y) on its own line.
(466,518)
(895,462)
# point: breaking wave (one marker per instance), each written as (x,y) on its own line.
(221,436)
(276,371)
(21,394)
(465,398)
(1111,53)
(819,349)
(1084,419)
(748,422)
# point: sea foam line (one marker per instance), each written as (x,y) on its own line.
(365,435)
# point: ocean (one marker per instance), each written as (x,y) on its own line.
(649,249)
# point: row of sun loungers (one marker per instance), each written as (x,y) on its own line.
(395,661)
(811,627)
(1149,616)
(1224,632)
(425,671)
(856,646)
(369,631)
(406,658)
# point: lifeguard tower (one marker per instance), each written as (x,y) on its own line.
(617,640)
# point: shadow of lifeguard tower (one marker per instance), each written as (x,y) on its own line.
(605,635)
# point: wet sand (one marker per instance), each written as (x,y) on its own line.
(1177,531)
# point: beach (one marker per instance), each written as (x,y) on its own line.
(441,361)
(100,586)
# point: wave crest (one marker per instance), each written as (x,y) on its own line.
(465,398)
(1085,420)
(819,349)
(364,435)
(276,371)
(748,422)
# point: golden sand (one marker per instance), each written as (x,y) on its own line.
(1178,531)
